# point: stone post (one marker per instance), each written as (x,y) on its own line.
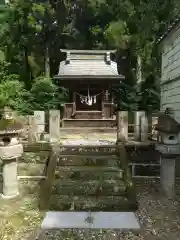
(9,154)
(54,125)
(137,125)
(153,131)
(168,155)
(167,176)
(10,181)
(122,126)
(32,131)
(40,122)
(144,127)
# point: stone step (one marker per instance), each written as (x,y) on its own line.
(88,114)
(78,130)
(91,203)
(91,126)
(88,173)
(80,188)
(95,123)
(90,160)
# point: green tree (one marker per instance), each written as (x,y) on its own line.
(45,95)
(33,32)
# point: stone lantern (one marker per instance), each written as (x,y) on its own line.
(10,150)
(168,146)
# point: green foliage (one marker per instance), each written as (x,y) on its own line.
(12,93)
(45,95)
(126,97)
(118,35)
(3,70)
(29,30)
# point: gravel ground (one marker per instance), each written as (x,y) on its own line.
(159,219)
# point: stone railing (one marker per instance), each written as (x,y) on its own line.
(141,127)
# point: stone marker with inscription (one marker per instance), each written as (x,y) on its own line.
(40,122)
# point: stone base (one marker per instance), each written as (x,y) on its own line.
(11,152)
(123,221)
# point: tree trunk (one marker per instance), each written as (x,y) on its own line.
(47,66)
(139,79)
(139,70)
(27,70)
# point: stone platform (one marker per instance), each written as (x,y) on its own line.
(95,123)
(92,220)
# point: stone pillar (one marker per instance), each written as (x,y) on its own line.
(167,176)
(144,127)
(32,131)
(137,125)
(10,181)
(153,131)
(9,154)
(54,125)
(40,122)
(122,126)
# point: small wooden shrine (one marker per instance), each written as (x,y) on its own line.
(89,75)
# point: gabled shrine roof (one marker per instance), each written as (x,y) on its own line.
(88,63)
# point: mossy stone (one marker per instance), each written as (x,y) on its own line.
(10,125)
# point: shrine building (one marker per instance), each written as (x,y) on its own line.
(89,75)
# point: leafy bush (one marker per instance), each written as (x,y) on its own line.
(45,95)
(12,93)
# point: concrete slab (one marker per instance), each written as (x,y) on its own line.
(86,142)
(123,221)
(58,220)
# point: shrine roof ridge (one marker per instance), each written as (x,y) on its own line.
(99,52)
(118,76)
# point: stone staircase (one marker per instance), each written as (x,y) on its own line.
(88,119)
(87,178)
